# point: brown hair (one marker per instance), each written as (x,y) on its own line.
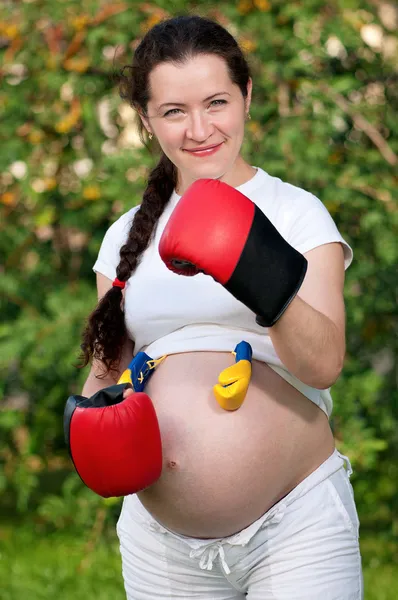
(174,40)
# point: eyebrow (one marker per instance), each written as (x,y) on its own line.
(179,103)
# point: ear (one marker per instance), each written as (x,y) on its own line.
(249,94)
(145,122)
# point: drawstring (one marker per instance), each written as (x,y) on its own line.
(277,516)
(208,555)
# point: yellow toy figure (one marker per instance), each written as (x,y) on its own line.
(233,382)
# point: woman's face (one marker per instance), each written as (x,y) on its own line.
(193,106)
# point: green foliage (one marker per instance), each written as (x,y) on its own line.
(323,118)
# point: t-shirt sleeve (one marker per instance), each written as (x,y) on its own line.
(115,237)
(311,225)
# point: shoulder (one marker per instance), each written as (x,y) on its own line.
(121,227)
(299,215)
(284,203)
(115,237)
(280,194)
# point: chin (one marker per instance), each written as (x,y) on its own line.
(210,172)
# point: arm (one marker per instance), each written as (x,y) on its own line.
(113,438)
(216,230)
(309,338)
(94,382)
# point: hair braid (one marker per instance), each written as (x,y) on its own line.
(105,332)
(161,184)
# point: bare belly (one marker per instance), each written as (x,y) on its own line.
(222,470)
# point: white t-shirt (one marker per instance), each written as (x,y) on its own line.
(168,313)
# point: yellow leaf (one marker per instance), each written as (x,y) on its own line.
(247,45)
(8,199)
(262,5)
(52,62)
(91,192)
(35,137)
(64,126)
(9,30)
(50,183)
(151,22)
(15,46)
(244,7)
(80,22)
(71,119)
(253,127)
(77,64)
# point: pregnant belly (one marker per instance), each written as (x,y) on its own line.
(222,470)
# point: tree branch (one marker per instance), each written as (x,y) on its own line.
(372,132)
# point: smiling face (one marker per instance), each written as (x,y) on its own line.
(197,115)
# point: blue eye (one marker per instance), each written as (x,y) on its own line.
(175,111)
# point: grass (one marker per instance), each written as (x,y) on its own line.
(58,566)
(381,583)
(62,566)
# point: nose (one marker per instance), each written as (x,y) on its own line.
(199,127)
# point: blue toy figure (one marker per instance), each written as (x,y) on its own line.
(140,370)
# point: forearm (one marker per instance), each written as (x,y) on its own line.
(94,383)
(96,380)
(309,344)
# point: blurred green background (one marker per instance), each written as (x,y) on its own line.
(324,115)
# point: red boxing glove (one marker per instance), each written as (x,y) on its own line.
(114,443)
(217,230)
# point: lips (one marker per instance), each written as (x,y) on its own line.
(205,151)
(202,149)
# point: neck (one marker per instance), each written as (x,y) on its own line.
(240,173)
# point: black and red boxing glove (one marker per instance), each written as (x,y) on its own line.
(217,230)
(114,443)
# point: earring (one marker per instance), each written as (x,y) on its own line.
(248,116)
(150,135)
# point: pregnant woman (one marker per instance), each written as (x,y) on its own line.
(219,504)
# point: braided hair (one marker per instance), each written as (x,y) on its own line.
(174,40)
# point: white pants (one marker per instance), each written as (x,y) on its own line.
(304,548)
